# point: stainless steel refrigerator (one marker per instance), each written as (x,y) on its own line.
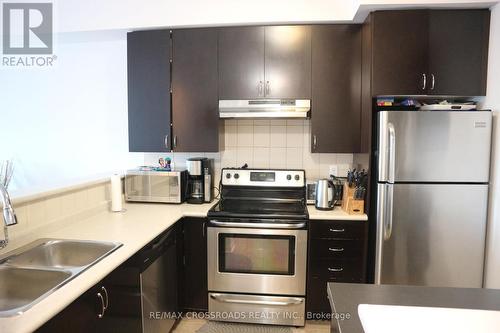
(432,197)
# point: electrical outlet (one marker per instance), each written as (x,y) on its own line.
(333,170)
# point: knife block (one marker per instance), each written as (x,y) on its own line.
(349,204)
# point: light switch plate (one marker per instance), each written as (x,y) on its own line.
(333,170)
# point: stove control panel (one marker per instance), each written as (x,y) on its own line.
(261,177)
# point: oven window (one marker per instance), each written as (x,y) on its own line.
(256,254)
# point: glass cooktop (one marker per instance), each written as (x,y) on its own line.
(284,209)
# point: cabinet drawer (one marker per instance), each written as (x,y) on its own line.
(338,270)
(337,229)
(336,249)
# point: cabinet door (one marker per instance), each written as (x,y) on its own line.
(241,63)
(400,41)
(288,62)
(194,91)
(193,280)
(81,316)
(458,52)
(149,90)
(336,89)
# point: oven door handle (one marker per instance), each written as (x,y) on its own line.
(259,225)
(225,299)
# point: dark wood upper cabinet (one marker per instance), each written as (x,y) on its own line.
(458,52)
(430,52)
(265,62)
(241,63)
(195,115)
(336,88)
(148,54)
(288,62)
(399,52)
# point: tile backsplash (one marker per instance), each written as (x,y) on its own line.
(265,144)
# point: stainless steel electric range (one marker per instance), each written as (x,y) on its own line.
(257,247)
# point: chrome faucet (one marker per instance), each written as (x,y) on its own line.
(9,216)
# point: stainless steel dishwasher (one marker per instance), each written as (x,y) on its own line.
(143,290)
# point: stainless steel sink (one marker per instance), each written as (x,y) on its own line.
(32,272)
(21,286)
(62,253)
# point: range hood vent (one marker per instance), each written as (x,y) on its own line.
(265,108)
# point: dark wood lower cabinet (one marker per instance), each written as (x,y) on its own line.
(193,272)
(123,301)
(337,253)
(81,316)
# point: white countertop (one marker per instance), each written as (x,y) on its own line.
(140,224)
(134,228)
(335,214)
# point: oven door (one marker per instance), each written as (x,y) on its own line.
(258,261)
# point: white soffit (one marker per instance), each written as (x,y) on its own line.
(98,15)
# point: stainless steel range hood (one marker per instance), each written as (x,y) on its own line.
(265,108)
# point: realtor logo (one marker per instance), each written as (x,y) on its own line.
(27,28)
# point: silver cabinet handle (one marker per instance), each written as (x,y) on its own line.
(268,88)
(337,230)
(424,81)
(107,297)
(336,249)
(335,269)
(103,307)
(175,141)
(260,88)
(433,81)
(315,142)
(166,141)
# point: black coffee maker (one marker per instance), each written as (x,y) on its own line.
(200,180)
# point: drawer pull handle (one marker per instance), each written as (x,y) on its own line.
(335,269)
(337,230)
(336,249)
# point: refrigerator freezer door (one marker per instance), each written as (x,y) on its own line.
(437,236)
(434,146)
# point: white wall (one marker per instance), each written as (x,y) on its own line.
(492,270)
(69,121)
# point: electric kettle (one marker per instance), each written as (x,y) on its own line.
(325,199)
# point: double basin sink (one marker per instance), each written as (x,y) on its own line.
(32,272)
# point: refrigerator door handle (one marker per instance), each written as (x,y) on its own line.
(381,215)
(384,225)
(389,211)
(392,153)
